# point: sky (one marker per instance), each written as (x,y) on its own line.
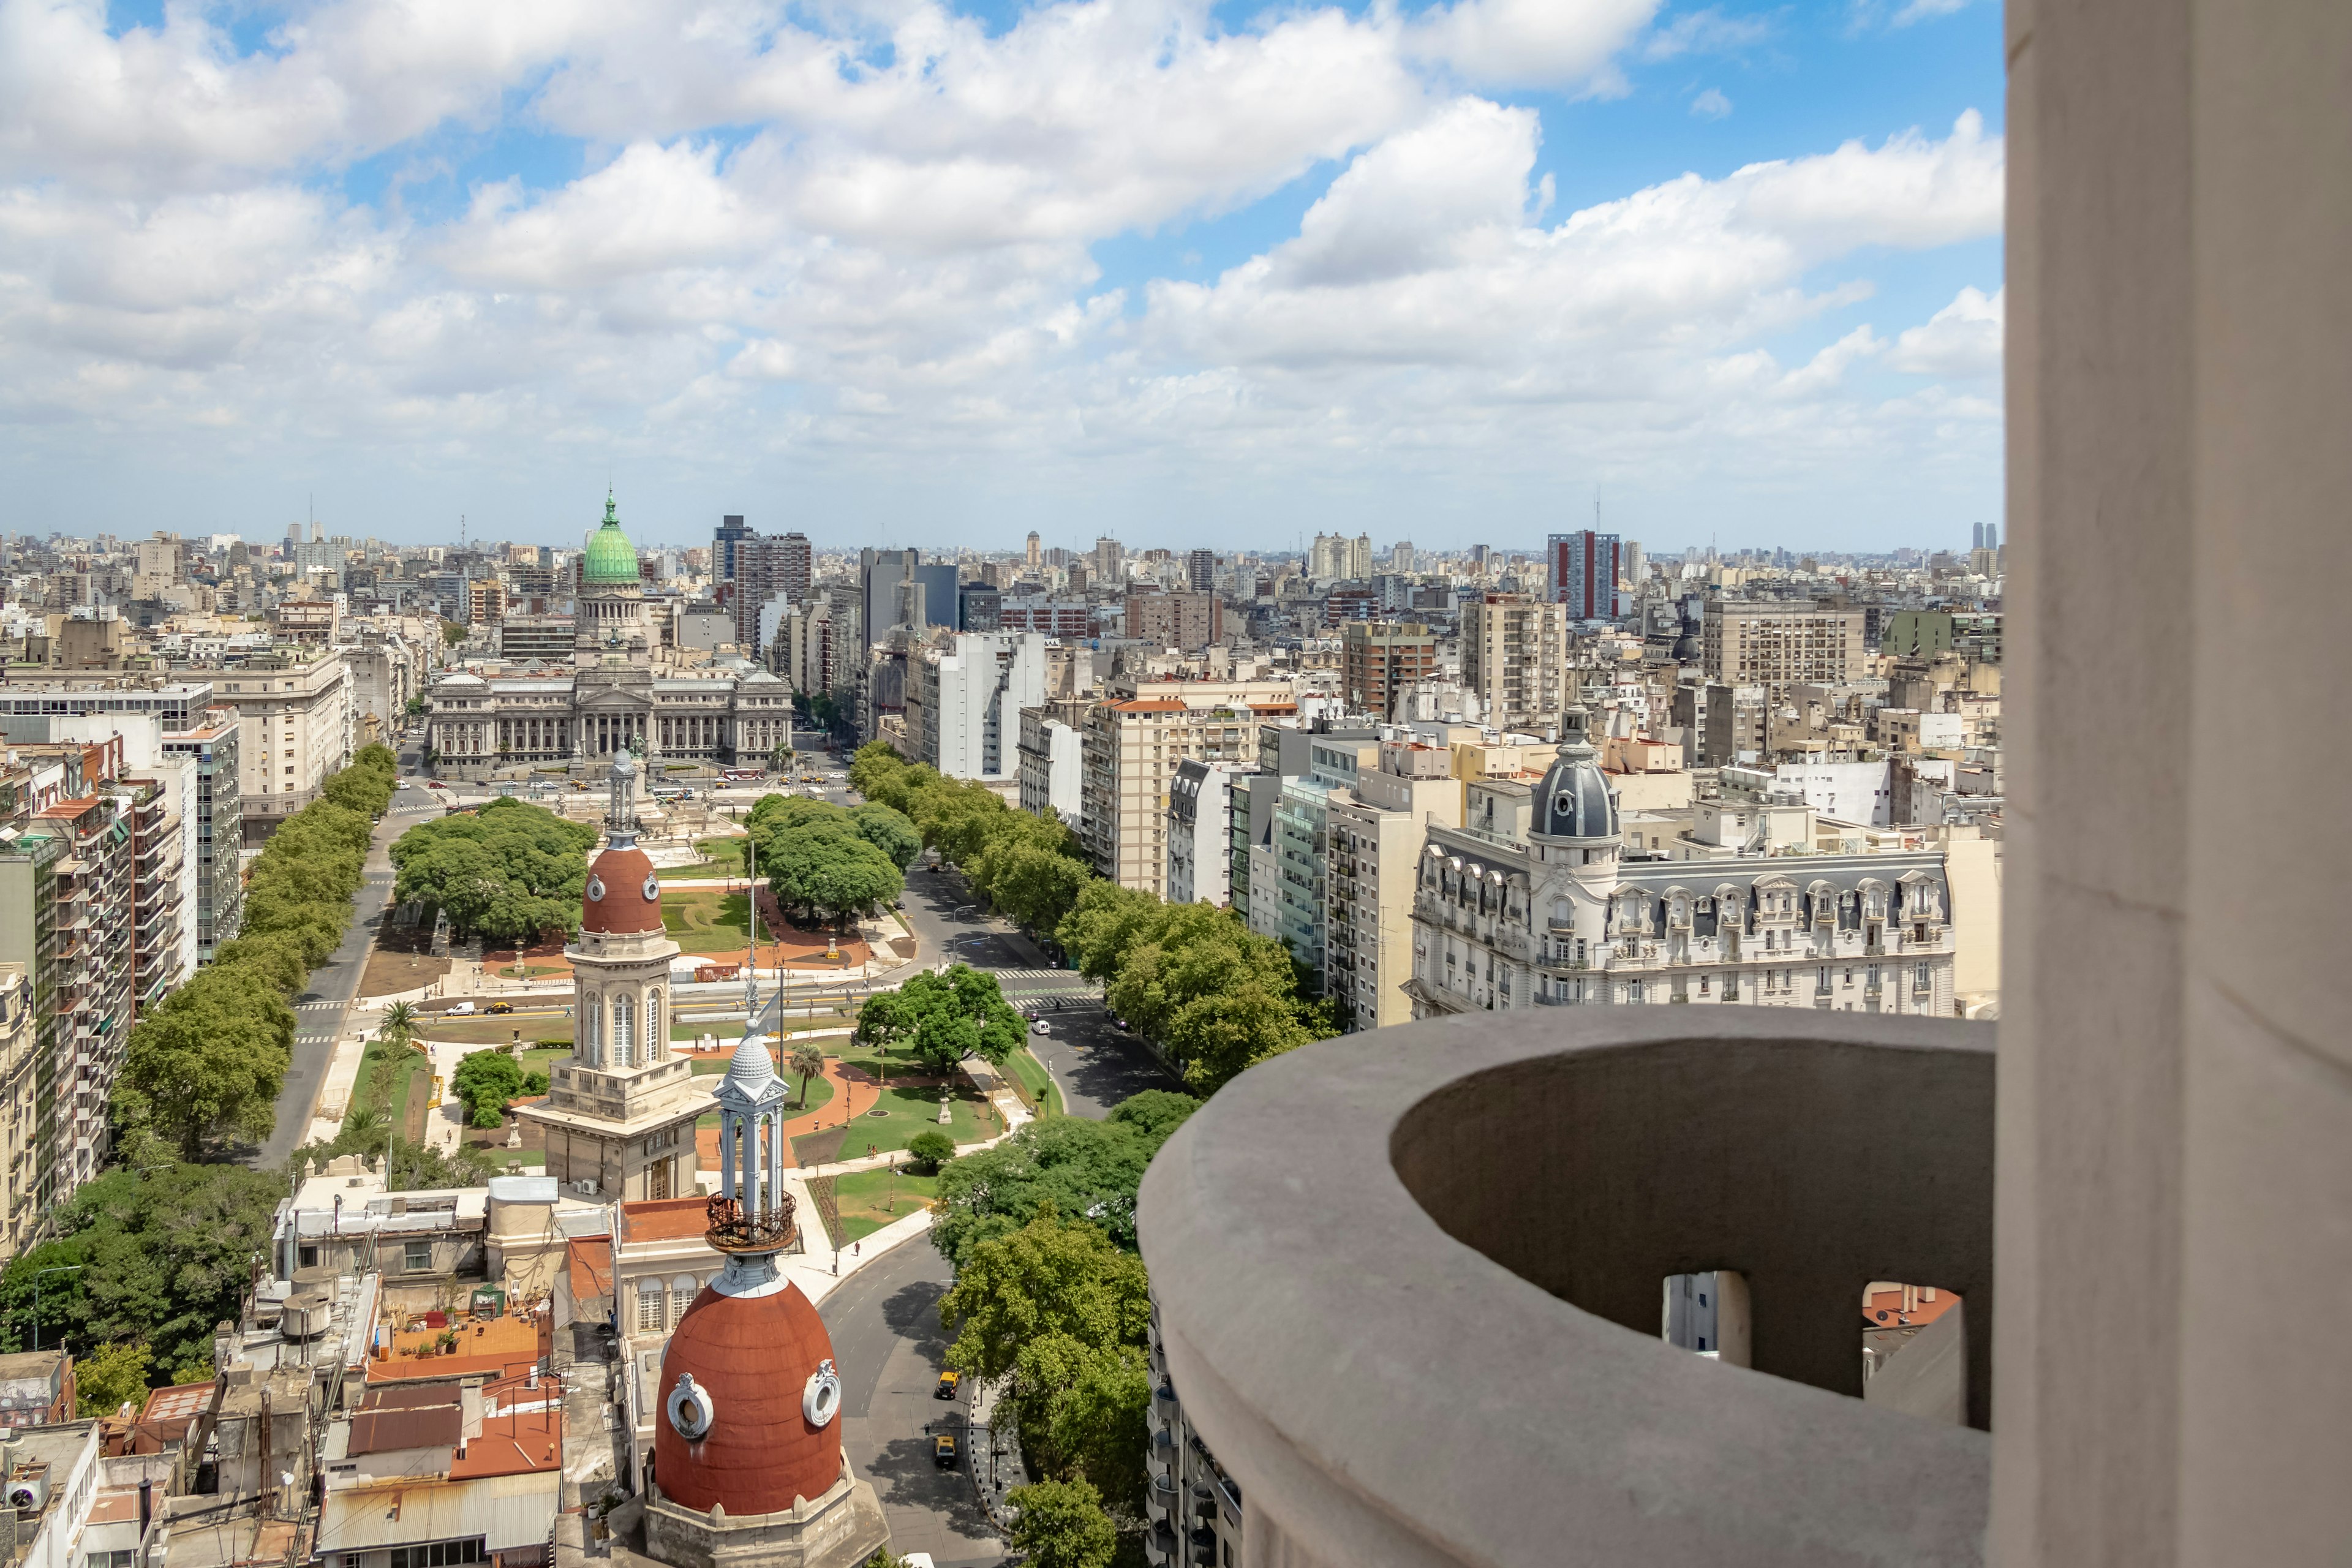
(899,272)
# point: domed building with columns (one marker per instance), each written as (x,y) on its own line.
(626,689)
(620,1111)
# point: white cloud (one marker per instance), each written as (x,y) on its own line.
(858,233)
(1532,43)
(1922,10)
(1708,32)
(1711,105)
(1962,341)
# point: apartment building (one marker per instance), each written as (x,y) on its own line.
(1289,877)
(20,1042)
(1374,833)
(1200,832)
(294,719)
(1584,568)
(211,744)
(1544,909)
(1514,660)
(1189,621)
(965,701)
(1132,744)
(1753,642)
(486,601)
(1052,763)
(1379,659)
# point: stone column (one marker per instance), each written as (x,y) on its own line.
(728,1123)
(2175,1086)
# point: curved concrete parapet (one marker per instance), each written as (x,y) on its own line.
(1408,1288)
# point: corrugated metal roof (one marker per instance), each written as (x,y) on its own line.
(507,1511)
(384,1431)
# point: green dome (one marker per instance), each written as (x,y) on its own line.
(611,559)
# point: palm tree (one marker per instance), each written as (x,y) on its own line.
(808,1061)
(399,1025)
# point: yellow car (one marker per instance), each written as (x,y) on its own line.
(948,1384)
(943,1450)
(499,1007)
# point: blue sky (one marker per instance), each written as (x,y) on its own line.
(934,275)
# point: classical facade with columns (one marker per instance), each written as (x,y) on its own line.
(624,690)
(619,1114)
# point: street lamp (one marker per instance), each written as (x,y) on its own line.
(60,1269)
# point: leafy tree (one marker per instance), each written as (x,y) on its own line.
(806,1059)
(487,1081)
(109,1377)
(452,633)
(826,867)
(1155,1112)
(1106,921)
(164,1257)
(872,763)
(930,1149)
(1088,1170)
(887,831)
(1062,1525)
(509,872)
(944,1018)
(1052,1276)
(1217,1037)
(211,1059)
(1082,1409)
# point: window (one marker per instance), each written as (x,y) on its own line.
(416,1256)
(1924,980)
(440,1554)
(108,1559)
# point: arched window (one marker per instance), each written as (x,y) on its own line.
(682,1291)
(624,1034)
(651,1318)
(656,1038)
(591,1033)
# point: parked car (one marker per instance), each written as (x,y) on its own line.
(509,1008)
(948,1384)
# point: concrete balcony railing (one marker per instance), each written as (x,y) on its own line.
(1410,1287)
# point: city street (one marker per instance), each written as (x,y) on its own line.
(886,1340)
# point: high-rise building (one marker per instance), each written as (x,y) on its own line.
(1106,559)
(1132,743)
(1584,568)
(210,742)
(1374,835)
(1190,622)
(1200,570)
(1378,660)
(1514,657)
(1400,556)
(964,702)
(723,547)
(1200,829)
(1032,554)
(1747,642)
(879,572)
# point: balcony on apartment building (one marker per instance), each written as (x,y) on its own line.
(1410,1287)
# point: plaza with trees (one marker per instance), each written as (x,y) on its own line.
(506,873)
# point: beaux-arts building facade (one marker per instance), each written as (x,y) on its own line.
(625,692)
(1562,920)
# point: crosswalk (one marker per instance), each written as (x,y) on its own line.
(1070,976)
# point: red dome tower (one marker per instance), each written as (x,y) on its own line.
(747,1447)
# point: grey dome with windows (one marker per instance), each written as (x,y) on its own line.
(1574,799)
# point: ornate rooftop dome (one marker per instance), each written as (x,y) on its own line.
(1573,801)
(749,1396)
(623,892)
(611,559)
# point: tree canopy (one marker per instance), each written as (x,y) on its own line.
(819,859)
(1061,1524)
(164,1257)
(488,1082)
(1086,1170)
(208,1061)
(944,1018)
(1057,1304)
(510,872)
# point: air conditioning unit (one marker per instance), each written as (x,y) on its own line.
(587,1189)
(30,1489)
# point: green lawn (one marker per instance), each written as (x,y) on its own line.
(1042,1095)
(709,872)
(384,1079)
(705,919)
(868,1200)
(903,1112)
(499,1031)
(820,1089)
